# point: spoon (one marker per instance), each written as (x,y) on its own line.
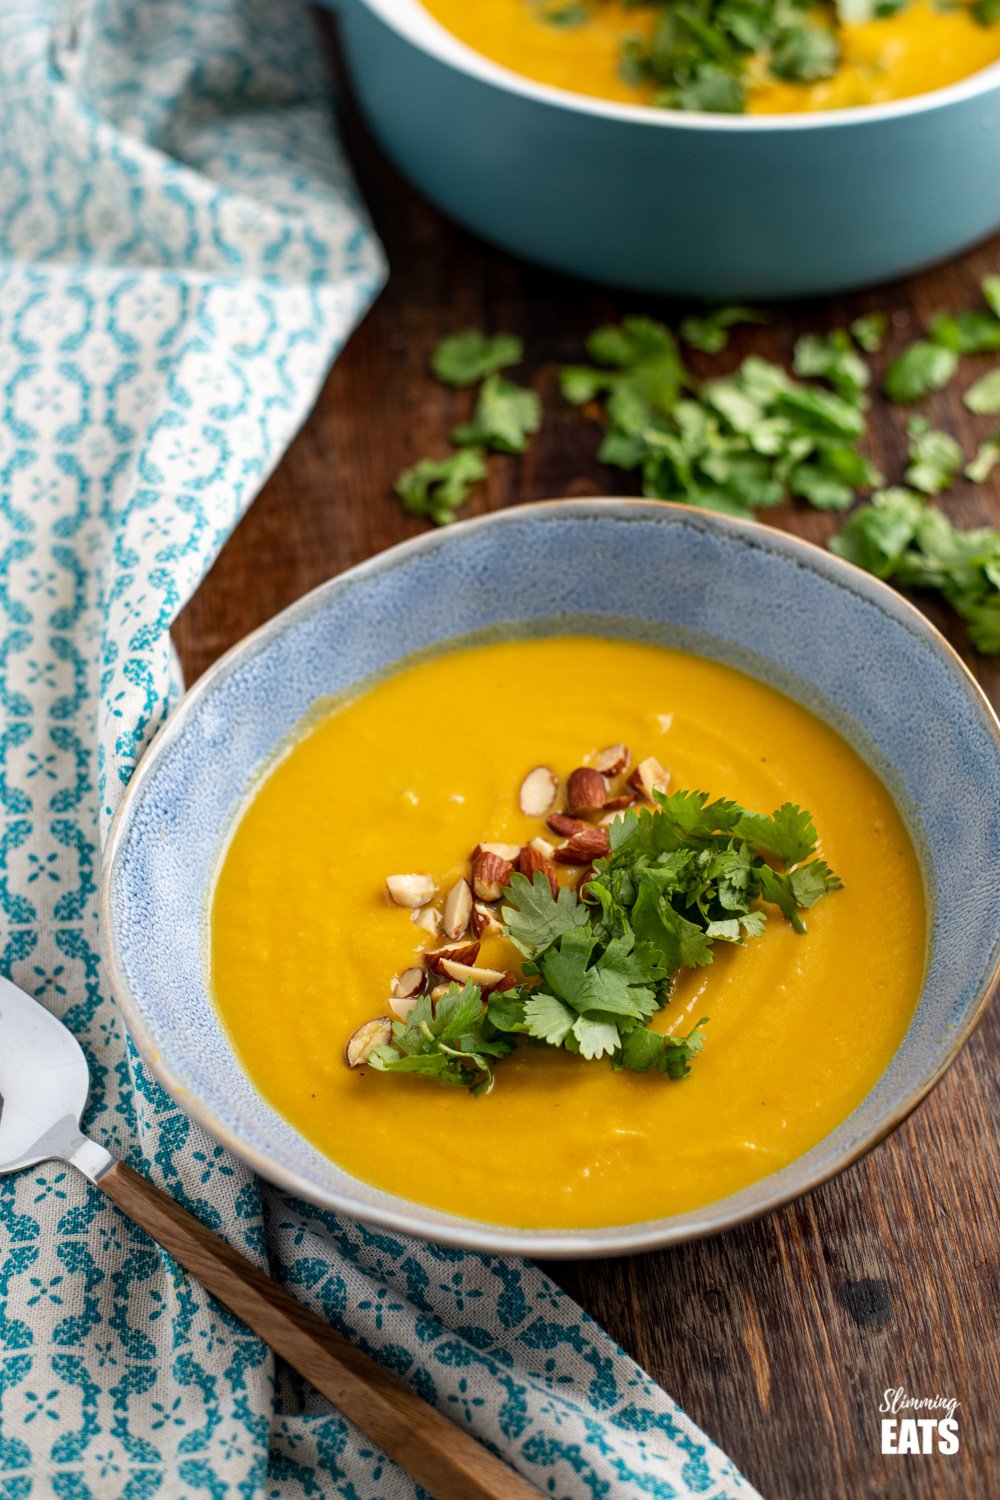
(44,1082)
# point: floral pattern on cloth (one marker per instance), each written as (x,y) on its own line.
(182,253)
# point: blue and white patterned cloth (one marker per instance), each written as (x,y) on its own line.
(181,255)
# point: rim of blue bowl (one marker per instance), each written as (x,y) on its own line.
(467,1233)
(410,20)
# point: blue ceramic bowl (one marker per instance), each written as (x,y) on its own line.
(713,206)
(835,639)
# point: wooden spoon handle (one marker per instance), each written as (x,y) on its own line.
(445,1460)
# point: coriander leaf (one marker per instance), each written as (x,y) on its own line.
(569,14)
(710,332)
(776,888)
(823,490)
(505,1010)
(505,416)
(876,536)
(832,357)
(595,1038)
(987,456)
(983,396)
(548,1019)
(868,331)
(580,384)
(809,882)
(463,358)
(789,832)
(533,918)
(920,369)
(710,89)
(991,291)
(970,332)
(436,487)
(644,1050)
(821,411)
(984,624)
(805,53)
(934,456)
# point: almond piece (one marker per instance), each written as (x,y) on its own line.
(545,849)
(565,827)
(508,981)
(491,872)
(439,991)
(586,790)
(469,974)
(457,909)
(461,953)
(410,982)
(649,777)
(361,1042)
(584,847)
(529,860)
(618,804)
(484,920)
(428,919)
(538,792)
(612,761)
(410,890)
(401,1005)
(502,851)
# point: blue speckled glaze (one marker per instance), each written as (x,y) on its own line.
(793,616)
(699,205)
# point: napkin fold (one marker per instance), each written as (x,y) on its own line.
(182,253)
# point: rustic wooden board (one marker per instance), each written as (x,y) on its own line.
(779,1338)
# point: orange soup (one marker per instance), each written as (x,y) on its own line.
(419,767)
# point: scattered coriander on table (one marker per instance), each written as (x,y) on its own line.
(983,396)
(463,359)
(920,369)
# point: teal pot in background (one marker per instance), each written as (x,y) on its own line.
(697,205)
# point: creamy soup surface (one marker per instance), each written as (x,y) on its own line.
(919,48)
(305,944)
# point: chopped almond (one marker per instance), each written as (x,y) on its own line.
(428,919)
(508,981)
(583,848)
(457,909)
(462,953)
(439,991)
(545,849)
(484,920)
(586,790)
(612,761)
(469,974)
(649,777)
(361,1043)
(410,890)
(502,851)
(401,1005)
(618,804)
(565,827)
(491,872)
(530,860)
(410,982)
(538,792)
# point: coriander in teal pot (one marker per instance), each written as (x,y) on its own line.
(665,201)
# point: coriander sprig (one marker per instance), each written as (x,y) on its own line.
(598,963)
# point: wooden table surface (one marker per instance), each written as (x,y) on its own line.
(778,1338)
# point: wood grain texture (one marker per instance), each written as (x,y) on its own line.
(449,1463)
(779,1338)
